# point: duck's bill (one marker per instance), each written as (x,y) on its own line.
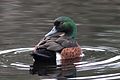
(53,31)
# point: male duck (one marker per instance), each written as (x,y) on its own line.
(61,39)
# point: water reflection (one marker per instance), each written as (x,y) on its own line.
(42,69)
(65,70)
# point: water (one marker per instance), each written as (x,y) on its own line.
(24,22)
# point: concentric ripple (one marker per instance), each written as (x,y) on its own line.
(99,63)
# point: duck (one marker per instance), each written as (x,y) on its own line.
(61,39)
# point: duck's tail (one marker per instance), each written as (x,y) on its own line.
(44,55)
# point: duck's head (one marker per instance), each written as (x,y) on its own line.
(65,25)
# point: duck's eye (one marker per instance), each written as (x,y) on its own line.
(57,23)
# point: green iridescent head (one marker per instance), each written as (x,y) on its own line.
(66,25)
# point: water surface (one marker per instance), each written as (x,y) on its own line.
(24,23)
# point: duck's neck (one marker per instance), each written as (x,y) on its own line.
(72,34)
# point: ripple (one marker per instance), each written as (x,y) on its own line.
(101,77)
(102,62)
(14,58)
(20,66)
(97,60)
(101,48)
(17,50)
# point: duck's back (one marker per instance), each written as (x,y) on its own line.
(48,46)
(56,43)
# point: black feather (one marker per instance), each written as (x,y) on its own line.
(44,55)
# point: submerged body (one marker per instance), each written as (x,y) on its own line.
(61,39)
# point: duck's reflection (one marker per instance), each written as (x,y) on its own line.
(42,69)
(66,69)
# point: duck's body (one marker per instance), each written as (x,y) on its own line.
(60,39)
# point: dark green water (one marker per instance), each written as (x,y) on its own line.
(24,22)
